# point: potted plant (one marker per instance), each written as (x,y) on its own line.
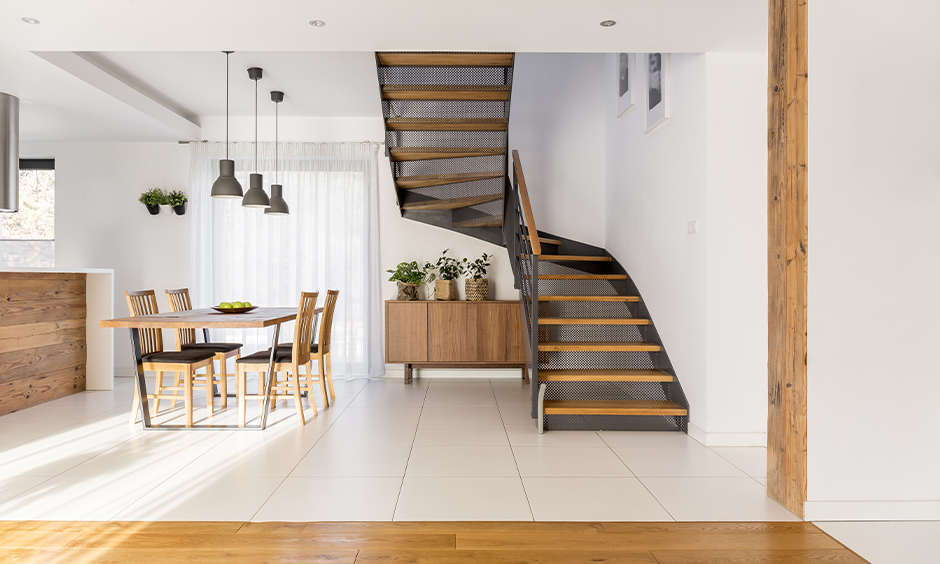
(409,276)
(176,199)
(476,286)
(448,269)
(152,199)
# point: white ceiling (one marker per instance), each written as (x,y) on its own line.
(169,51)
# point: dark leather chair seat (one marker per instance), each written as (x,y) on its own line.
(179,357)
(214,347)
(262,357)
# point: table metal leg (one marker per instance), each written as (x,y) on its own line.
(269,383)
(141,381)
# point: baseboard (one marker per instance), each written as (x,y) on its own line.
(728,439)
(871,511)
(397,371)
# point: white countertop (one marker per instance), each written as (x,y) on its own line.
(63,270)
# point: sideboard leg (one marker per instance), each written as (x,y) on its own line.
(407,373)
(525,373)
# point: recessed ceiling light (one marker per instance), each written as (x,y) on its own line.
(31,21)
(317,23)
(608,23)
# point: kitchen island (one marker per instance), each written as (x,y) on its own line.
(50,343)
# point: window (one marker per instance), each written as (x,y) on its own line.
(27,237)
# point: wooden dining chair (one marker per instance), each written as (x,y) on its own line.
(287,362)
(155,359)
(320,350)
(186,340)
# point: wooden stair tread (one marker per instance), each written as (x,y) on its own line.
(492,221)
(593,321)
(589,298)
(435,59)
(446,124)
(558,346)
(409,182)
(582,258)
(452,203)
(624,375)
(613,407)
(546,240)
(580,276)
(399,154)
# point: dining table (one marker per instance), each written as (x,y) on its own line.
(205,318)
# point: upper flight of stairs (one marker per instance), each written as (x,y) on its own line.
(599,360)
(446,119)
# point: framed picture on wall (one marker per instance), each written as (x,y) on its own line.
(657,89)
(626,89)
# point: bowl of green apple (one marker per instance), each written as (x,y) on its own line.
(234,307)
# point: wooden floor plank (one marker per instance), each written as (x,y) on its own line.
(44,542)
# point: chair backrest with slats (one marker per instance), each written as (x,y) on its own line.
(303,331)
(144,302)
(179,301)
(326,322)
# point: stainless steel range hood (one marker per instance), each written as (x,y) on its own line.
(9,153)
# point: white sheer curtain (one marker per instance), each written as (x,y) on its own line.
(329,241)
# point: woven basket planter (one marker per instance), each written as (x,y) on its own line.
(444,290)
(407,292)
(476,289)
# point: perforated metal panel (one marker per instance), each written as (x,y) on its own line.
(445,75)
(488,163)
(475,109)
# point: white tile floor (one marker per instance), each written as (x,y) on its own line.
(433,450)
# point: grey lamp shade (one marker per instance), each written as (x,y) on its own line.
(278,204)
(255,197)
(226,186)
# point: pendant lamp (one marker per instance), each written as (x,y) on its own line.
(226,186)
(255,197)
(278,204)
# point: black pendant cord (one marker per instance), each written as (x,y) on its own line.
(227,53)
(256,126)
(275,142)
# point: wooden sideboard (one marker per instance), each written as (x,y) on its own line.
(454,334)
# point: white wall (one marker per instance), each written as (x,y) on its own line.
(100,224)
(736,248)
(874,200)
(655,186)
(706,291)
(557,124)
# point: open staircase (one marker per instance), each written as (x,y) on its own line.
(594,351)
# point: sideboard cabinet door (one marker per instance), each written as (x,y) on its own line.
(452,332)
(499,332)
(406,332)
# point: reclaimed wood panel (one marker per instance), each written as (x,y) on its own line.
(42,337)
(406,331)
(787,243)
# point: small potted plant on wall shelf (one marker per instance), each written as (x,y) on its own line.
(152,199)
(177,200)
(448,269)
(476,285)
(409,276)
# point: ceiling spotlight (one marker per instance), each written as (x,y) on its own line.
(317,23)
(608,23)
(31,21)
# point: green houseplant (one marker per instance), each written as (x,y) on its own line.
(153,198)
(476,285)
(448,269)
(176,199)
(410,275)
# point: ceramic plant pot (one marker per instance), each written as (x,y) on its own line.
(154,209)
(180,209)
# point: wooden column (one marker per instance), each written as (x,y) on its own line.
(42,338)
(786,254)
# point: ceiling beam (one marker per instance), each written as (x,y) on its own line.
(84,67)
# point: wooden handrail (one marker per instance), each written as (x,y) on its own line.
(526,206)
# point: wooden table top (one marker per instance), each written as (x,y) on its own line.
(207,318)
